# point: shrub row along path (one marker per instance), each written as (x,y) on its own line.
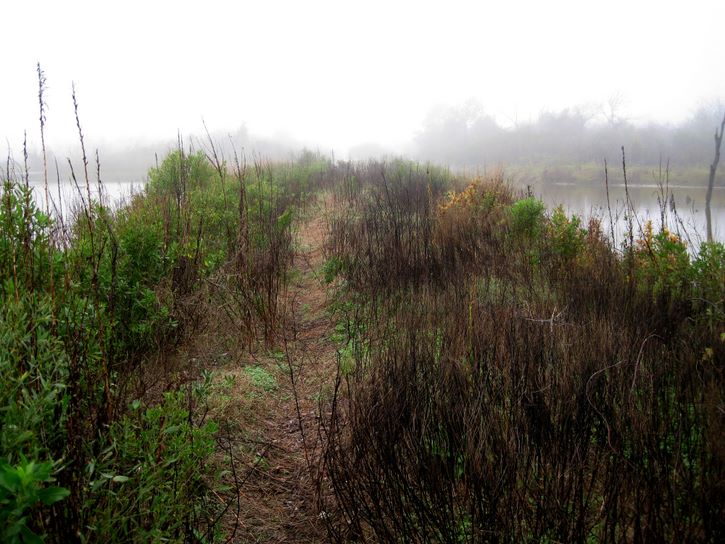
(275,401)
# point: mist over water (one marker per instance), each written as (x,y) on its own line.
(559,158)
(545,91)
(586,200)
(66,197)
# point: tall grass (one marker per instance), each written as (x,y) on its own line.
(510,376)
(94,301)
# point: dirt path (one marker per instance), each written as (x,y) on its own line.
(265,397)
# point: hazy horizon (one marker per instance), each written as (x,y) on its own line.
(333,76)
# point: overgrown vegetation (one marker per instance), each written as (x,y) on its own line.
(511,376)
(100,440)
(504,372)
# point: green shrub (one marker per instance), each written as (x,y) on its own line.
(21,493)
(331,268)
(566,235)
(77,312)
(527,219)
(140,319)
(148,483)
(709,282)
(24,241)
(33,371)
(180,172)
(663,264)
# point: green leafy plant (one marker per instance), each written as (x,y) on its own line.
(527,218)
(567,236)
(664,264)
(331,268)
(261,378)
(149,480)
(708,270)
(22,492)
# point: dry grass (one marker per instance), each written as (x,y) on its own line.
(516,383)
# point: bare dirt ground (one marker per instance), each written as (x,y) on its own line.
(269,406)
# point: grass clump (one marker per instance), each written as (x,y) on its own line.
(261,378)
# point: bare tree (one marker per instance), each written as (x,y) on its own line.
(612,111)
(711,182)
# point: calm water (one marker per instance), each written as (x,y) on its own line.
(64,196)
(587,201)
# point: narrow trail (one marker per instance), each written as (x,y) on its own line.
(277,502)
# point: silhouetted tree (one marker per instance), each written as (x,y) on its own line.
(711,181)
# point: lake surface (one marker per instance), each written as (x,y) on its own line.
(689,220)
(64,196)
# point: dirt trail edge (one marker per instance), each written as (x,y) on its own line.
(262,398)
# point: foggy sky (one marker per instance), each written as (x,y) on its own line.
(336,74)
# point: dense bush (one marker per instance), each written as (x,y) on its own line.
(21,490)
(88,302)
(505,373)
(520,379)
(527,218)
(149,464)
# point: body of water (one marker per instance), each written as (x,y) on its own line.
(687,218)
(64,196)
